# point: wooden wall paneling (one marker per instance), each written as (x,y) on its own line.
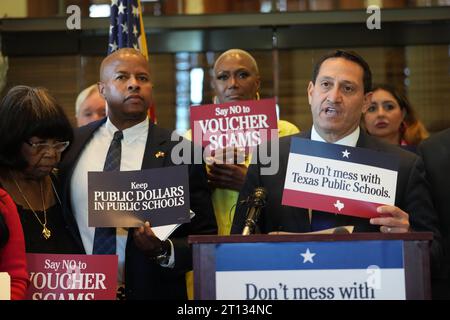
(89,71)
(217,6)
(395,67)
(429,84)
(395,3)
(162,67)
(297,5)
(171,7)
(245,6)
(350,4)
(57,74)
(42,8)
(265,65)
(295,73)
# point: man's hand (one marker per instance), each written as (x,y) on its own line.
(147,241)
(393,220)
(227,169)
(227,176)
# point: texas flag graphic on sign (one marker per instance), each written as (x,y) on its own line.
(339,179)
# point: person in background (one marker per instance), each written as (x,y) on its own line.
(148,267)
(435,152)
(35,131)
(12,247)
(235,77)
(391,118)
(89,106)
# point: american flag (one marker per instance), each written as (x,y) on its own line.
(127,31)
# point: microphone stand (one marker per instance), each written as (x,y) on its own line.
(254,210)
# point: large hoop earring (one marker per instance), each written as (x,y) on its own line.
(403,127)
(257,95)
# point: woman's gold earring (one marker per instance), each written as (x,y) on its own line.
(257,95)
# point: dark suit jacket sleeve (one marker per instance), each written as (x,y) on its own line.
(422,215)
(203,222)
(417,200)
(435,152)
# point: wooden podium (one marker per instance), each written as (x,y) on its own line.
(412,252)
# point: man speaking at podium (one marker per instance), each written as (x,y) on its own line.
(338,94)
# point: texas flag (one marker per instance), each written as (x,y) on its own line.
(339,179)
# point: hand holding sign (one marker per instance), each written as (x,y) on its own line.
(393,220)
(229,155)
(146,240)
(227,176)
(227,169)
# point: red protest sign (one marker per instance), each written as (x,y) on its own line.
(237,124)
(72,277)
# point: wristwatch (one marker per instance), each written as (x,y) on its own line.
(164,256)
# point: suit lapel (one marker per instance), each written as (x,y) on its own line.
(366,141)
(304,134)
(82,136)
(298,214)
(155,149)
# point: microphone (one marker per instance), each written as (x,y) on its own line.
(255,203)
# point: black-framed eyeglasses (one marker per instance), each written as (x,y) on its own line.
(42,147)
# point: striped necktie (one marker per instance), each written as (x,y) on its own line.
(105,238)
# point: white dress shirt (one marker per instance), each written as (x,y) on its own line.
(93,158)
(349,140)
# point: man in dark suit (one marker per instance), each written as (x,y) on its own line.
(338,94)
(149,268)
(435,152)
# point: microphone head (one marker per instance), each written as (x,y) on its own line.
(260,192)
(255,202)
(259,196)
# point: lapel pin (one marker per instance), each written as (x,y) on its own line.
(160,154)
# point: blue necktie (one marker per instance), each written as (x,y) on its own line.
(105,238)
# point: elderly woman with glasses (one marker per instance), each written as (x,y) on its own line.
(34,132)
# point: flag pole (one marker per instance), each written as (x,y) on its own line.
(143,40)
(144,51)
